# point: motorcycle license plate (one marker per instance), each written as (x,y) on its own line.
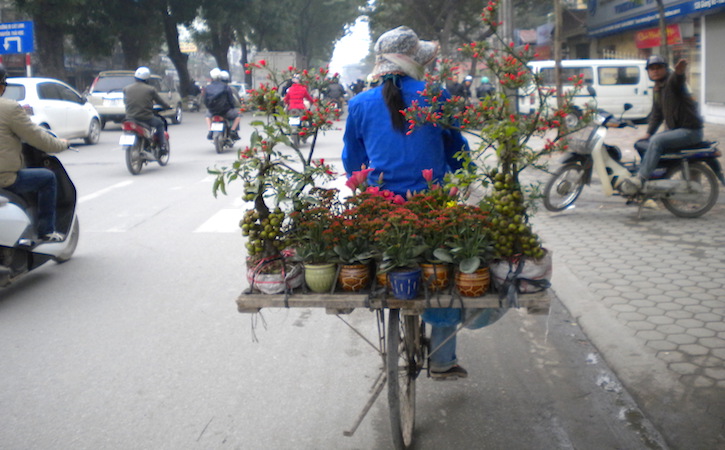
(294,121)
(217,126)
(127,139)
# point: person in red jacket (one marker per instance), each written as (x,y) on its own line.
(296,95)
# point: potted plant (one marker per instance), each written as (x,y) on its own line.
(310,235)
(276,180)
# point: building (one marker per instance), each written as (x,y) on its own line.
(695,31)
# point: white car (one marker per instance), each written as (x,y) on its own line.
(56,106)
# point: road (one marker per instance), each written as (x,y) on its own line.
(136,343)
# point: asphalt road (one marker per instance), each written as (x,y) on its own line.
(136,343)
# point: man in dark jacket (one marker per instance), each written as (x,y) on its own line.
(220,100)
(672,104)
(140,98)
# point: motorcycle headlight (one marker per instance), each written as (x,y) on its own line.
(600,119)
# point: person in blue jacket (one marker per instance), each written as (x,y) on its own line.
(376,136)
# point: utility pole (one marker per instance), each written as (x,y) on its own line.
(557,53)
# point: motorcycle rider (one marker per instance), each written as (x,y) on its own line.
(485,88)
(140,98)
(335,91)
(220,100)
(672,104)
(296,95)
(15,128)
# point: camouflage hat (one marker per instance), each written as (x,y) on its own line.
(399,51)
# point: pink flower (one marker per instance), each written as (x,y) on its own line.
(358,178)
(398,200)
(428,175)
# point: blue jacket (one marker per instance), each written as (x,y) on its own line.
(371,140)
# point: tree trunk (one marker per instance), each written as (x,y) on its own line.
(244,59)
(131,49)
(179,59)
(221,40)
(50,50)
(664,49)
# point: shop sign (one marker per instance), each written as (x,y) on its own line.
(651,36)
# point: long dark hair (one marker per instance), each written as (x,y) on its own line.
(393,97)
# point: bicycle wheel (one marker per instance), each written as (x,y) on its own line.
(403,364)
(701,195)
(564,187)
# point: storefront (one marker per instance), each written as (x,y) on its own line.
(695,31)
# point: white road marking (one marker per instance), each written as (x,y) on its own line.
(224,221)
(97,194)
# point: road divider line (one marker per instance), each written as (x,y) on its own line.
(103,191)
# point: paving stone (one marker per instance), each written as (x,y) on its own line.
(634,295)
(712,342)
(694,349)
(686,301)
(709,317)
(700,332)
(661,320)
(716,326)
(624,307)
(651,311)
(683,368)
(718,374)
(667,355)
(703,382)
(682,339)
(641,326)
(650,335)
(642,303)
(679,314)
(669,329)
(632,317)
(690,323)
(669,306)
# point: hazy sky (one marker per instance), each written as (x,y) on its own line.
(351,48)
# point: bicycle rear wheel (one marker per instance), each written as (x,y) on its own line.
(403,364)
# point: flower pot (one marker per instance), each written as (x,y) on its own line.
(320,277)
(382,279)
(354,277)
(473,284)
(405,283)
(436,276)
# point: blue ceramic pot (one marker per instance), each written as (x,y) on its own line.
(405,283)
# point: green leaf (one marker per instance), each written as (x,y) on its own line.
(470,265)
(443,255)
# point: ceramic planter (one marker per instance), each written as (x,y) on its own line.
(320,277)
(405,284)
(436,276)
(473,284)
(354,277)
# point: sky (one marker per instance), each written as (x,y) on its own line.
(352,48)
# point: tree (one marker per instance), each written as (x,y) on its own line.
(52,22)
(174,13)
(101,25)
(220,16)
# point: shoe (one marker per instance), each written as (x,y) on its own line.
(163,151)
(210,136)
(53,237)
(453,373)
(234,135)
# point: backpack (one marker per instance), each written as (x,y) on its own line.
(216,99)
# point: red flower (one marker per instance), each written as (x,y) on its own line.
(428,175)
(262,62)
(358,178)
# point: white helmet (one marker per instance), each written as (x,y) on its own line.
(215,73)
(224,76)
(142,73)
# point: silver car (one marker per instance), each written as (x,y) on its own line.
(106,94)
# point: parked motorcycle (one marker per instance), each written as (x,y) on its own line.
(21,250)
(221,129)
(685,181)
(141,145)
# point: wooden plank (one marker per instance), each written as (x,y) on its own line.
(536,303)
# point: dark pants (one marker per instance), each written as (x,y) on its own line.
(42,182)
(159,131)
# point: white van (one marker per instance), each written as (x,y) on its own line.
(616,82)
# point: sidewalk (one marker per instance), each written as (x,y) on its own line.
(650,294)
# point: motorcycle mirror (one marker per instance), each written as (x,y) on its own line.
(591,90)
(627,106)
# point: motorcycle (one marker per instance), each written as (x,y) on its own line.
(685,180)
(141,145)
(298,127)
(21,250)
(221,129)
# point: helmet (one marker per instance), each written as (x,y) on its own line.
(468,78)
(142,73)
(485,80)
(215,73)
(224,76)
(655,59)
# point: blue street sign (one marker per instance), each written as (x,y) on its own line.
(16,37)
